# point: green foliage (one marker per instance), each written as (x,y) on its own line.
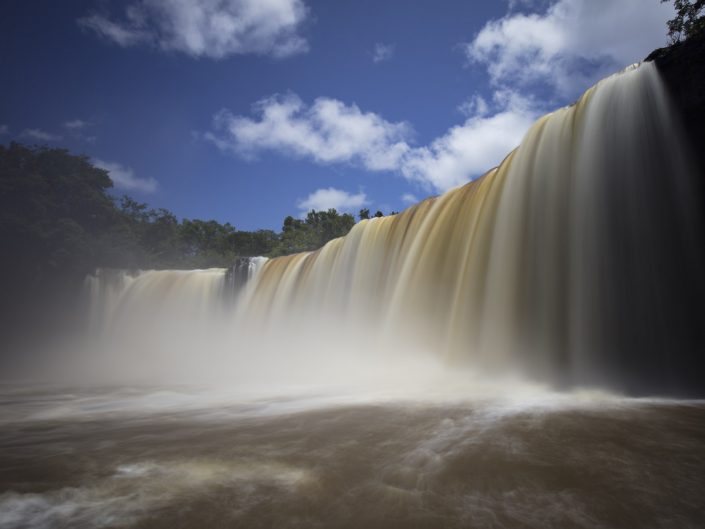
(57,220)
(689,19)
(52,207)
(314,231)
(364,214)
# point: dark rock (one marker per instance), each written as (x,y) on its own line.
(682,67)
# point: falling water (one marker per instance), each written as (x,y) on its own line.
(576,261)
(577,258)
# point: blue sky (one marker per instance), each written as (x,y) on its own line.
(250,110)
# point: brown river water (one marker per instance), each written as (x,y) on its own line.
(187,458)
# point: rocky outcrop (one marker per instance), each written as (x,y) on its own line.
(682,66)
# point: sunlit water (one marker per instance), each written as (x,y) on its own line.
(194,458)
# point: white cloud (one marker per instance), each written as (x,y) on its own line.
(40,135)
(474,106)
(408,198)
(76,124)
(471,149)
(124,177)
(327,131)
(560,51)
(571,45)
(4,129)
(208,28)
(382,52)
(324,199)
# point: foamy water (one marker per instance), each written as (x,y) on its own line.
(190,457)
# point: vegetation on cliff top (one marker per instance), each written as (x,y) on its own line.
(57,218)
(689,19)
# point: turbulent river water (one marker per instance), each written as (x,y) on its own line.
(183,457)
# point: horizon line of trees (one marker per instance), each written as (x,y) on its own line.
(57,218)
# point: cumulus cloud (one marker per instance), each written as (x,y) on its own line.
(570,45)
(327,198)
(124,177)
(554,54)
(40,135)
(327,131)
(382,52)
(471,149)
(408,198)
(207,28)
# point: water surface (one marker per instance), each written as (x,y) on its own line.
(185,458)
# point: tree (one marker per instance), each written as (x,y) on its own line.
(253,243)
(54,215)
(58,220)
(364,214)
(689,19)
(53,206)
(379,214)
(313,232)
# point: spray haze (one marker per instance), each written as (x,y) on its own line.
(576,261)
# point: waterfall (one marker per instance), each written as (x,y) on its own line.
(120,299)
(242,271)
(119,295)
(578,259)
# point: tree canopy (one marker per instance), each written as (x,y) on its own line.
(689,19)
(58,218)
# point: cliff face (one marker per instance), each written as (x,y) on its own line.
(682,66)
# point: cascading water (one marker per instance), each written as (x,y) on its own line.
(578,257)
(576,260)
(158,319)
